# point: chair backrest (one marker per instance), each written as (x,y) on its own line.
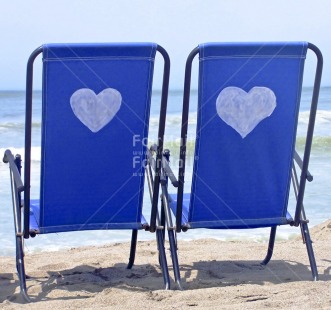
(248,105)
(95,119)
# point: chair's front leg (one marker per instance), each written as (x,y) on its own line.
(270,245)
(133,248)
(20,267)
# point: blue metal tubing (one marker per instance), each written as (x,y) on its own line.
(174,257)
(28,120)
(311,124)
(186,103)
(133,248)
(270,245)
(159,233)
(310,250)
(163,258)
(163,111)
(168,220)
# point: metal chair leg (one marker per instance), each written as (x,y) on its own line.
(20,268)
(270,245)
(163,258)
(174,257)
(133,248)
(310,250)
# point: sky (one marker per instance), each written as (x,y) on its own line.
(177,25)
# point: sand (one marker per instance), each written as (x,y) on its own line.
(215,275)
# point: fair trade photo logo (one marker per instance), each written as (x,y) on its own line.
(143,150)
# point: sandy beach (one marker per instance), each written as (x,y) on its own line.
(215,275)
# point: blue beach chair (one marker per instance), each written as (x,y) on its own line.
(95,121)
(245,158)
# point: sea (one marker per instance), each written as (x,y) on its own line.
(12,121)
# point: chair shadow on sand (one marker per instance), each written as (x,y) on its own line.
(81,282)
(327,271)
(85,281)
(8,284)
(208,274)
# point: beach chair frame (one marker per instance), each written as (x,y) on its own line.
(299,183)
(22,213)
(163,217)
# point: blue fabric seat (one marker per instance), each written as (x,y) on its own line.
(35,226)
(222,224)
(95,120)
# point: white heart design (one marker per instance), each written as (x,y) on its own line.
(95,111)
(244,111)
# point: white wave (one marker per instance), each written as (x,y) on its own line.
(322,116)
(322,123)
(174,119)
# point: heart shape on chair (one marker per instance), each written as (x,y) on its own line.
(95,111)
(244,111)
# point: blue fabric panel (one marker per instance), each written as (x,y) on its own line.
(93,145)
(225,224)
(238,179)
(185,210)
(35,215)
(100,50)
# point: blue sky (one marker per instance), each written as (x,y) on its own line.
(177,25)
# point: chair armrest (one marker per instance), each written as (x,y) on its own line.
(298,160)
(9,158)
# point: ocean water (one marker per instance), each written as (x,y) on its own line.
(12,114)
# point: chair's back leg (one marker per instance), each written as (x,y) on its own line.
(295,184)
(169,223)
(163,258)
(159,233)
(174,257)
(270,245)
(310,250)
(171,235)
(304,227)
